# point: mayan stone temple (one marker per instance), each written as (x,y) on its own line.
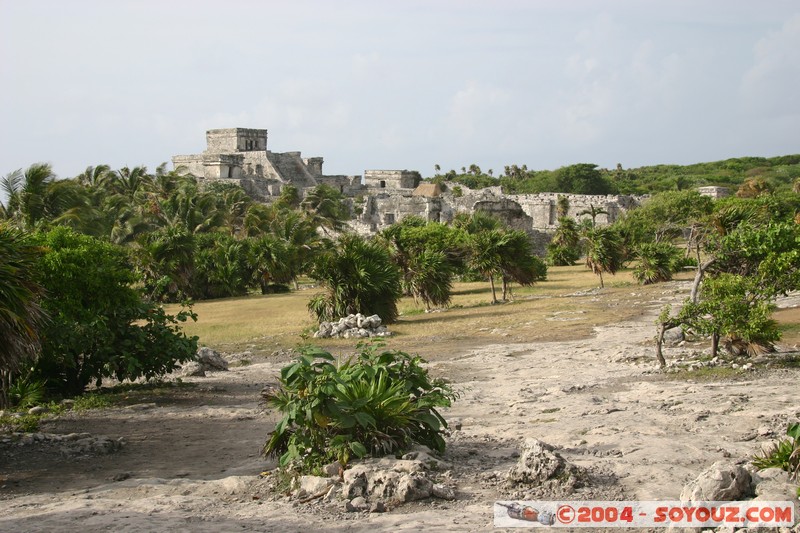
(379,198)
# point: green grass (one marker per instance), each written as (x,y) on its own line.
(103,398)
(716,373)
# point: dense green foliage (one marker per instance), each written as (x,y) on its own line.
(359,276)
(429,255)
(753,175)
(603,250)
(373,404)
(99,325)
(565,246)
(657,261)
(21,315)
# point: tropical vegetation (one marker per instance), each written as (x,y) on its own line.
(375,403)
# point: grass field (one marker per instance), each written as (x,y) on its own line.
(567,305)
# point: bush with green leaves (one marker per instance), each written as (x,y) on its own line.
(658,261)
(565,247)
(100,325)
(375,403)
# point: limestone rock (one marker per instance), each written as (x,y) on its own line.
(414,486)
(723,481)
(312,486)
(388,480)
(774,484)
(539,463)
(211,359)
(674,336)
(193,369)
(357,504)
(333,469)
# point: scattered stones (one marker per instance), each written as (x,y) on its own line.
(38,410)
(70,445)
(353,326)
(723,481)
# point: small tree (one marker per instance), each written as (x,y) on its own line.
(734,308)
(518,262)
(564,249)
(603,251)
(486,255)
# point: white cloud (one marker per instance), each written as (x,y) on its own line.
(772,83)
(474,108)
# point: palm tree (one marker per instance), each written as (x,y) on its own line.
(359,277)
(20,313)
(518,262)
(486,255)
(604,251)
(129,181)
(35,197)
(564,248)
(269,259)
(593,212)
(94,176)
(562,206)
(323,205)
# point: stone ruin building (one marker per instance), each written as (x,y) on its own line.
(380,198)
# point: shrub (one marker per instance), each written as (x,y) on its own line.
(374,403)
(359,277)
(562,255)
(657,262)
(100,326)
(784,454)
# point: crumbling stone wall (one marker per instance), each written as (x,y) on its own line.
(240,155)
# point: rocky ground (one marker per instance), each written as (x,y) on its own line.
(188,458)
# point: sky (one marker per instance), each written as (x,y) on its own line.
(400,84)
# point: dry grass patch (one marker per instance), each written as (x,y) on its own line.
(566,306)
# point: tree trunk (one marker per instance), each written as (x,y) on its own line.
(662,328)
(494,294)
(5,385)
(698,277)
(601,279)
(714,344)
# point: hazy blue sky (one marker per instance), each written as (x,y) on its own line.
(400,84)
